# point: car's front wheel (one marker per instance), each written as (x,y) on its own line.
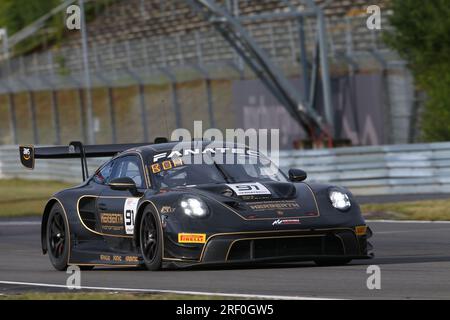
(150,236)
(58,238)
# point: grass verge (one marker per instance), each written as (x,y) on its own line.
(415,210)
(20,198)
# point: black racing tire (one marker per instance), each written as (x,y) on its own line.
(150,240)
(58,238)
(332,262)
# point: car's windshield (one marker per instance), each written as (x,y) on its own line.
(184,171)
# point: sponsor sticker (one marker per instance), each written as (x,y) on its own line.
(279,222)
(27,156)
(192,237)
(167,209)
(245,189)
(166,165)
(111,218)
(274,205)
(129,213)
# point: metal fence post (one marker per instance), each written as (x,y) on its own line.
(56,121)
(87,77)
(12,115)
(141,91)
(112,113)
(175,102)
(32,110)
(54,102)
(325,72)
(32,106)
(208,88)
(82,113)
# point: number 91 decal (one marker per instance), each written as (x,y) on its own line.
(244,189)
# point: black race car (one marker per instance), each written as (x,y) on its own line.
(152,205)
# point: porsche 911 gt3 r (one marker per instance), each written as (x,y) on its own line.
(151,205)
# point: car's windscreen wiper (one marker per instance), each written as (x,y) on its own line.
(224,174)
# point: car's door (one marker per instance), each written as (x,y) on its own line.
(117,208)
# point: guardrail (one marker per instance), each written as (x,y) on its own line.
(396,169)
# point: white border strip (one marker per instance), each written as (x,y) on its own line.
(235,295)
(410,221)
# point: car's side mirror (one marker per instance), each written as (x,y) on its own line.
(297,175)
(124,183)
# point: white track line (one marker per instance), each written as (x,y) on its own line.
(236,295)
(409,221)
(19,223)
(412,231)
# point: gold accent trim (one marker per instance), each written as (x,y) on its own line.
(180,260)
(237,240)
(104,265)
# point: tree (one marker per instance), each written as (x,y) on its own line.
(421,35)
(17,14)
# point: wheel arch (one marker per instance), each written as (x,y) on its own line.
(137,222)
(47,209)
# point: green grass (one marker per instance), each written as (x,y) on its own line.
(106,296)
(414,210)
(26,197)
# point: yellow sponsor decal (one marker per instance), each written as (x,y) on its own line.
(360,230)
(131,259)
(166,165)
(112,218)
(191,237)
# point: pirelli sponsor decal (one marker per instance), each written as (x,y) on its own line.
(192,237)
(274,205)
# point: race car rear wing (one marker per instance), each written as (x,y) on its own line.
(75,149)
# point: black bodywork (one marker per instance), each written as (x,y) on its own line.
(295,222)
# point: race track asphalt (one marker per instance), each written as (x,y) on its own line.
(414,259)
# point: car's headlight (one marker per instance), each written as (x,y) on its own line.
(194,207)
(339,200)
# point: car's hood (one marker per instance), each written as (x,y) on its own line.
(264,200)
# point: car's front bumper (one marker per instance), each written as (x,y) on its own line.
(292,245)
